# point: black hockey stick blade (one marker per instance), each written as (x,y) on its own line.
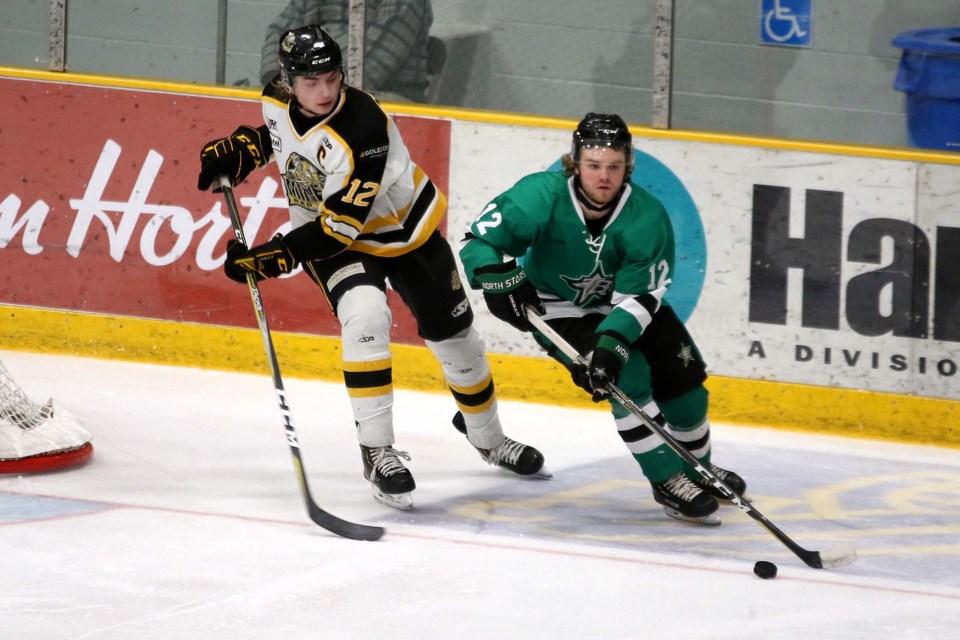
(328,521)
(343,528)
(835,557)
(321,517)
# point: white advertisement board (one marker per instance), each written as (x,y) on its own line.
(813,268)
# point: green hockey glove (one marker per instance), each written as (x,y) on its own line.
(603,367)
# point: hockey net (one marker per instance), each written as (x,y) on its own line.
(37,437)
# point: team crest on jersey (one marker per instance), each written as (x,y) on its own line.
(686,354)
(590,288)
(304,182)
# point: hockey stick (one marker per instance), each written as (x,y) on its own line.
(326,520)
(834,557)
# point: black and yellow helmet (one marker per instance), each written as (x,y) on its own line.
(308,51)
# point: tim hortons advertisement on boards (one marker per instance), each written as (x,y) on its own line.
(100,212)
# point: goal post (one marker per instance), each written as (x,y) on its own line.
(38,437)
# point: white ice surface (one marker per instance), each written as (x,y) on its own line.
(188,524)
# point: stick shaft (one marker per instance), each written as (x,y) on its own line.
(318,515)
(811,558)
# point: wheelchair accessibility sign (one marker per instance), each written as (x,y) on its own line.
(785,22)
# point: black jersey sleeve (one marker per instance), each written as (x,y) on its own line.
(311,242)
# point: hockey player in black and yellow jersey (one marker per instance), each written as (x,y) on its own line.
(363,213)
(597,259)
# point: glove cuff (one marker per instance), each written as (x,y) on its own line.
(615,344)
(256,142)
(501,278)
(497,267)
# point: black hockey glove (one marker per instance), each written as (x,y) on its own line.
(507,292)
(268,260)
(234,157)
(231,268)
(604,366)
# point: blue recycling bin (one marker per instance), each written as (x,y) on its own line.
(929,74)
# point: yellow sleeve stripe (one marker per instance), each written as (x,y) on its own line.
(329,214)
(340,237)
(418,236)
(419,175)
(376,224)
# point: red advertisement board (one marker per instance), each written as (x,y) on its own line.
(99,209)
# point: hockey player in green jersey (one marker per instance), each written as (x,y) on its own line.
(594,254)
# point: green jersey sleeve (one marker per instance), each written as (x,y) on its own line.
(510,223)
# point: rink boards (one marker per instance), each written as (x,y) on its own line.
(817,279)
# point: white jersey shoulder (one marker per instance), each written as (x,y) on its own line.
(351,173)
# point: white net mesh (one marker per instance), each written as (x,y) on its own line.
(16,408)
(37,437)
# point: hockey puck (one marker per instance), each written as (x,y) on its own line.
(765,570)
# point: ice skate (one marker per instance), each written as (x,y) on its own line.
(729,478)
(392,483)
(511,455)
(685,500)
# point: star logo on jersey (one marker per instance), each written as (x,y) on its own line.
(303,182)
(686,354)
(590,288)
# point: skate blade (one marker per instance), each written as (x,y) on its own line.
(543,473)
(402,501)
(711,520)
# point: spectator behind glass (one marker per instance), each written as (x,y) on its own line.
(396,31)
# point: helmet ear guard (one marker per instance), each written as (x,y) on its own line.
(308,51)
